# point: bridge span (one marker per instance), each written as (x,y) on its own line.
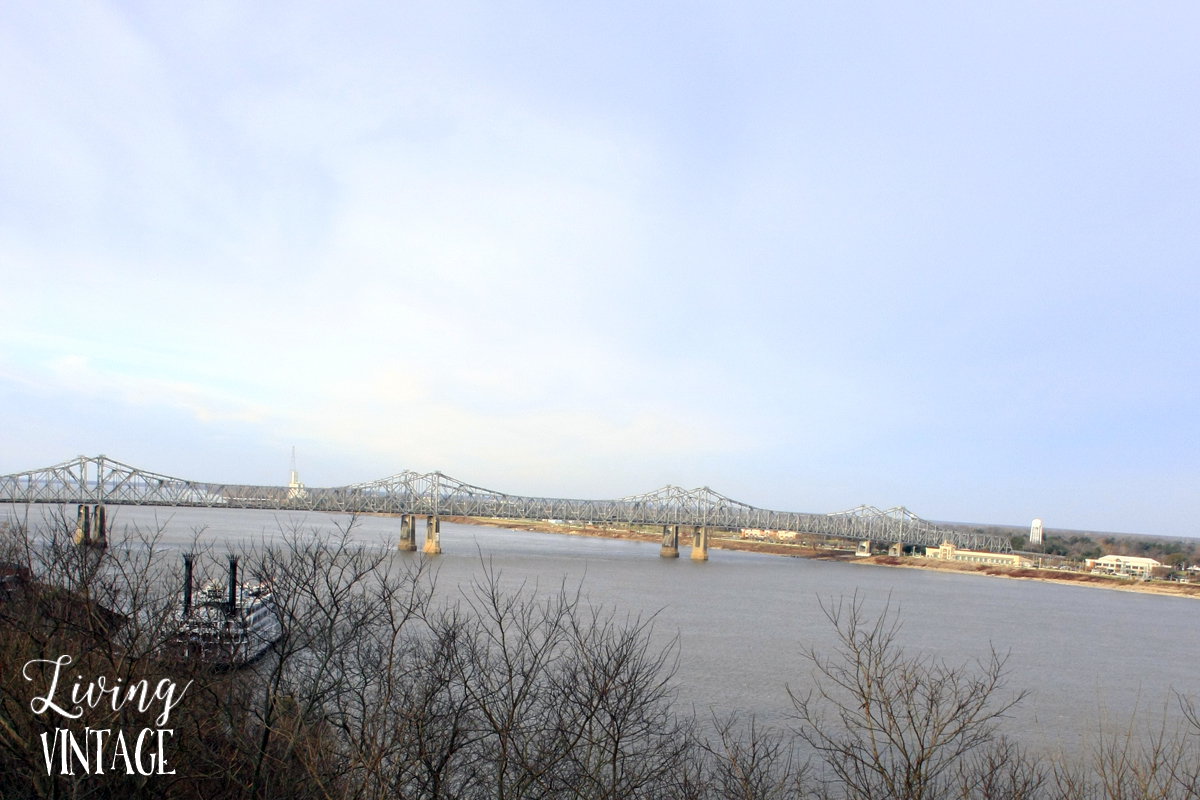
(96,482)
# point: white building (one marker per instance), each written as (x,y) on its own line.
(1035,532)
(1129,566)
(948,552)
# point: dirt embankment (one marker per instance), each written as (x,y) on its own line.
(907,562)
(714,543)
(548,527)
(1046,575)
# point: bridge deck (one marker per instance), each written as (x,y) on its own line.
(102,481)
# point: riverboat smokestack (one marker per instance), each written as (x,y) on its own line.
(187,584)
(233,562)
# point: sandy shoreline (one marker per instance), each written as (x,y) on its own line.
(1191,590)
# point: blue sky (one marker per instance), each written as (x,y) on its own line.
(809,254)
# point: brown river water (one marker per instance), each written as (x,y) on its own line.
(741,619)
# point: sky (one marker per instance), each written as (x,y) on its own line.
(811,255)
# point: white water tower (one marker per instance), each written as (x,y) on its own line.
(1035,532)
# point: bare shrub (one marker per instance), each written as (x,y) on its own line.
(109,611)
(517,695)
(380,688)
(1000,770)
(1139,759)
(748,762)
(889,724)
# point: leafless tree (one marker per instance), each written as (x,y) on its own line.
(386,686)
(886,723)
(1138,759)
(345,610)
(1000,770)
(749,762)
(555,698)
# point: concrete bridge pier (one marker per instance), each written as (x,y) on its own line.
(700,544)
(433,536)
(91,526)
(99,527)
(670,542)
(408,533)
(83,525)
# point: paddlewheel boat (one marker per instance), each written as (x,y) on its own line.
(229,625)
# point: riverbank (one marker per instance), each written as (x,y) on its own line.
(1043,575)
(826,554)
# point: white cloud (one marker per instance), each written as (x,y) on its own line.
(444,239)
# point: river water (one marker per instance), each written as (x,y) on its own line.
(742,619)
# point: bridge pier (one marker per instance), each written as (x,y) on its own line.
(433,536)
(83,525)
(408,533)
(670,542)
(700,543)
(91,526)
(99,527)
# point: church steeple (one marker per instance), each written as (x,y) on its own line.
(295,487)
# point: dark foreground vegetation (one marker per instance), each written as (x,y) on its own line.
(381,688)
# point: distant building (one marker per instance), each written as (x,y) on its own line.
(948,552)
(1035,532)
(761,534)
(1128,566)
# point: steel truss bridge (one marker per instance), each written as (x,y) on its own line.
(103,481)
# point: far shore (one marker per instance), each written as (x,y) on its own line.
(820,554)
